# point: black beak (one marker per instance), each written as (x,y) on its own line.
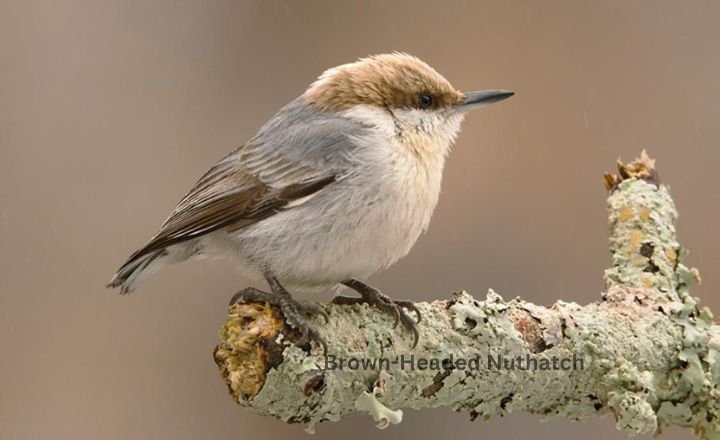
(482,98)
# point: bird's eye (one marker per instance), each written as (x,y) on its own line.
(426,100)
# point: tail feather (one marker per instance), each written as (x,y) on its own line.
(137,269)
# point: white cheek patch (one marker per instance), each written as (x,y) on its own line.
(428,132)
(438,127)
(414,118)
(373,116)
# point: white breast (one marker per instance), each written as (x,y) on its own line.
(394,188)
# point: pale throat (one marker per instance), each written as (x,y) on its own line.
(413,152)
(427,134)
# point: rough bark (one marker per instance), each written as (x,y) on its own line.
(644,352)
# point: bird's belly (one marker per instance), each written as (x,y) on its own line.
(338,234)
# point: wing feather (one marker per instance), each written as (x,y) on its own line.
(285,162)
(228,197)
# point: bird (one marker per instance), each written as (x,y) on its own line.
(338,185)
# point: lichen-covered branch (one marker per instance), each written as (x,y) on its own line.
(644,352)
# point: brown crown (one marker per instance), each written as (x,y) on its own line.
(393,80)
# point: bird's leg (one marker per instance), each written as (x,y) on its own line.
(373,297)
(291,309)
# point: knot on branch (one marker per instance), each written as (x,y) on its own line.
(249,349)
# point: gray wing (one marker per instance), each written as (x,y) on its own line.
(297,153)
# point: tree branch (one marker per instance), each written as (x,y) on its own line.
(644,352)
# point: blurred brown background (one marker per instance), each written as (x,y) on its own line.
(109,111)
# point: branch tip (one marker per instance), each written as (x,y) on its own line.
(642,168)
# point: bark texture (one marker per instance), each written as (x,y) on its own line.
(644,352)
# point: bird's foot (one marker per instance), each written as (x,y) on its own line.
(373,297)
(295,312)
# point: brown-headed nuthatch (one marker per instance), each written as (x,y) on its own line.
(338,185)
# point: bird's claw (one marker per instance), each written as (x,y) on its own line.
(294,311)
(395,308)
(311,309)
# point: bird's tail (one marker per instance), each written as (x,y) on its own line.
(138,268)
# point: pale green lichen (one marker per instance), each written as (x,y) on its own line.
(642,238)
(619,373)
(382,415)
(370,403)
(633,413)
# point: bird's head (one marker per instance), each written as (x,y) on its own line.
(401,90)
